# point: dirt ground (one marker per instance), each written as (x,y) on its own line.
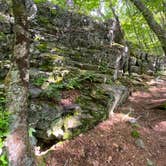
(111,143)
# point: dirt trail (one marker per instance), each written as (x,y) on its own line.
(111,144)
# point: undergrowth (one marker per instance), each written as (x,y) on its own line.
(4,125)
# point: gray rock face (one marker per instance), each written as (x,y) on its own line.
(41,115)
(135,69)
(78,34)
(35,92)
(89,34)
(56,122)
(120,94)
(146,63)
(4,6)
(133,61)
(139,142)
(71,76)
(6,38)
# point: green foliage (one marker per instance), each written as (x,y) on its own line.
(31,131)
(77,81)
(3,159)
(86,5)
(104,68)
(52,91)
(135,134)
(73,83)
(162,107)
(39,1)
(67,135)
(42,47)
(39,81)
(4,125)
(3,116)
(136,28)
(2,36)
(61,3)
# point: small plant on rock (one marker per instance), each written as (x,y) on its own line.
(39,81)
(4,125)
(135,134)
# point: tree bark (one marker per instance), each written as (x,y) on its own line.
(119,35)
(17,143)
(156,28)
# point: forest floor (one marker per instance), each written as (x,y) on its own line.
(117,141)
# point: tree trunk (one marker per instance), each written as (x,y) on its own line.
(119,35)
(17,143)
(156,28)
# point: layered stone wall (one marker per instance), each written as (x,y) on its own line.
(146,63)
(73,67)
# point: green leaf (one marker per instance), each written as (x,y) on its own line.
(31,131)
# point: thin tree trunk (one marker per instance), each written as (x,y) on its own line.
(17,143)
(117,27)
(156,28)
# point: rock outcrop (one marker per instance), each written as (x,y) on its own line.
(142,62)
(72,86)
(72,69)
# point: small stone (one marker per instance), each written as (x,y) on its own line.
(35,92)
(132,120)
(139,142)
(129,163)
(115,145)
(95,163)
(109,159)
(80,135)
(2,86)
(150,163)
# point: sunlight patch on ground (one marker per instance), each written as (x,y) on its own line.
(117,118)
(59,146)
(154,81)
(160,127)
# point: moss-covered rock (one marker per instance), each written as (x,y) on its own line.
(71,58)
